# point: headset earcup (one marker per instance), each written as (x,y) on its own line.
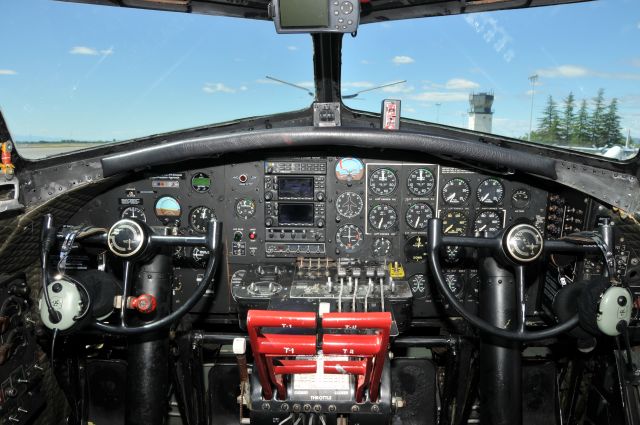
(588,304)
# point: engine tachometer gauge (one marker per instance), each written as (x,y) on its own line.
(349,204)
(456,191)
(418,215)
(136,213)
(383,181)
(454,223)
(421,182)
(490,192)
(349,169)
(488,221)
(382,217)
(349,237)
(199,218)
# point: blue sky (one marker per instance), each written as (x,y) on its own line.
(101,73)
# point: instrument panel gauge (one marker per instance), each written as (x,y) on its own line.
(245,208)
(490,192)
(349,237)
(349,169)
(382,217)
(488,221)
(201,182)
(168,207)
(136,213)
(456,191)
(417,216)
(415,249)
(199,218)
(383,181)
(454,223)
(421,182)
(126,238)
(520,198)
(455,283)
(349,204)
(523,242)
(381,247)
(200,255)
(453,254)
(418,285)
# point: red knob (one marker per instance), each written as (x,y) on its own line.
(145,303)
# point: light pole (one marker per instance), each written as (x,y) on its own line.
(533,79)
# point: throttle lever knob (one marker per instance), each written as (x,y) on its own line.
(145,303)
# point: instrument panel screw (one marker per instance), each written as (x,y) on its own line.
(317,408)
(355,408)
(297,408)
(306,408)
(375,408)
(332,408)
(266,406)
(284,407)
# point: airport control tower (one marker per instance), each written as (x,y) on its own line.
(480,113)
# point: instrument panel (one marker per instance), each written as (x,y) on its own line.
(279,210)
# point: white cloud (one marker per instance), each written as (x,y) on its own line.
(402,60)
(266,81)
(83,50)
(635,62)
(398,88)
(306,84)
(107,52)
(461,84)
(7,72)
(365,62)
(564,71)
(292,48)
(431,96)
(574,71)
(358,84)
(216,88)
(244,88)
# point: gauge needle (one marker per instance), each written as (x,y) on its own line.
(417,221)
(482,228)
(448,229)
(450,197)
(380,224)
(484,198)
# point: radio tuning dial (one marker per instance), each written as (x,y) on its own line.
(268,195)
(320,196)
(268,222)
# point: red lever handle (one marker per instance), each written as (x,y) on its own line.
(145,303)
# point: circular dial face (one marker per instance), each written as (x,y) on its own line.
(381,247)
(201,182)
(520,198)
(349,169)
(245,208)
(416,249)
(488,221)
(349,237)
(382,217)
(490,192)
(456,191)
(349,204)
(454,223)
(454,281)
(199,218)
(383,181)
(421,182)
(168,207)
(134,212)
(125,238)
(417,216)
(523,242)
(418,285)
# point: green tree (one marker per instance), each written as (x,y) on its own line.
(580,133)
(612,128)
(567,121)
(597,131)
(548,130)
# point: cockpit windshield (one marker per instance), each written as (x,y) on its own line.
(86,75)
(566,76)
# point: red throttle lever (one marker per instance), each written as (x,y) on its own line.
(145,303)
